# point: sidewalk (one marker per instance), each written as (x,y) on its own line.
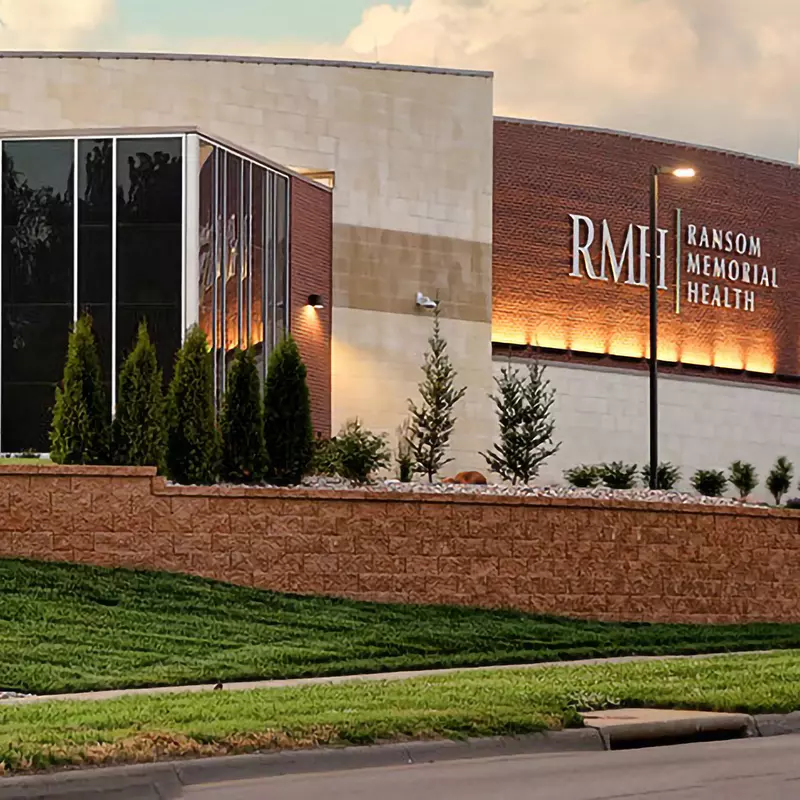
(380,676)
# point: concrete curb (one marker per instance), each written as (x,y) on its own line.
(168,779)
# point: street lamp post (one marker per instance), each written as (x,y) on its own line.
(655,172)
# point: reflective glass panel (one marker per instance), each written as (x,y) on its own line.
(37,285)
(149,244)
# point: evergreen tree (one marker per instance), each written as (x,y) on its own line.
(193,438)
(744,478)
(242,423)
(523,406)
(779,481)
(432,421)
(139,431)
(80,431)
(288,434)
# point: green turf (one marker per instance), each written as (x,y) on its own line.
(143,728)
(70,628)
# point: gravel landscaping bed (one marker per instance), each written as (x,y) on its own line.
(503,490)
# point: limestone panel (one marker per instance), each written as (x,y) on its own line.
(377,359)
(602,414)
(412,149)
(382,270)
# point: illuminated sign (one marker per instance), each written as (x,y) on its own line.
(713,267)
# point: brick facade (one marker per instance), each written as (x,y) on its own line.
(310,260)
(605,560)
(545,173)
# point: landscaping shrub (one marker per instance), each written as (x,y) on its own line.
(617,475)
(743,477)
(80,432)
(193,438)
(405,457)
(668,476)
(325,459)
(139,429)
(523,406)
(242,423)
(710,482)
(360,453)
(794,502)
(779,480)
(432,421)
(288,434)
(583,477)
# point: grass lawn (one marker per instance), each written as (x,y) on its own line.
(145,728)
(71,628)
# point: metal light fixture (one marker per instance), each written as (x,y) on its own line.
(676,172)
(315,301)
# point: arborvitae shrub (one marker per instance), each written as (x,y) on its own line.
(139,430)
(81,418)
(192,439)
(288,433)
(242,423)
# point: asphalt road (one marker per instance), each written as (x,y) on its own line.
(738,770)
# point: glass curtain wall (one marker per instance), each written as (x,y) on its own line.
(89,224)
(243,256)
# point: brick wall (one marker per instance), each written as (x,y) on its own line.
(544,173)
(310,259)
(613,560)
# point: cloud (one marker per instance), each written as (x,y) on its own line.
(722,72)
(718,72)
(50,24)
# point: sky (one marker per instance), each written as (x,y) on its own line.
(724,73)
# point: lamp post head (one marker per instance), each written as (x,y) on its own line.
(676,172)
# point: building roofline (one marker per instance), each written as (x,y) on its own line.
(642,137)
(306,62)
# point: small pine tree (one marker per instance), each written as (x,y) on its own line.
(139,430)
(523,407)
(779,481)
(743,478)
(242,423)
(432,421)
(81,417)
(193,438)
(288,434)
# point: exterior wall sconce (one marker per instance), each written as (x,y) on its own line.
(426,302)
(315,301)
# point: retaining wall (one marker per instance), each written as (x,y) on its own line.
(596,559)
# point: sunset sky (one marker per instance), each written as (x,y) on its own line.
(719,72)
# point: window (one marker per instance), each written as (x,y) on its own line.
(37,285)
(149,245)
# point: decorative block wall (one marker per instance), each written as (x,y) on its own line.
(604,560)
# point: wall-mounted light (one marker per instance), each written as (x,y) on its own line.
(425,302)
(315,301)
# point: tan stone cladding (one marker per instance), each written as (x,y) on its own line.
(382,270)
(593,559)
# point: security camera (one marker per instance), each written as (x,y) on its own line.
(426,302)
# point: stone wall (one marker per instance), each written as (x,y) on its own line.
(605,560)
